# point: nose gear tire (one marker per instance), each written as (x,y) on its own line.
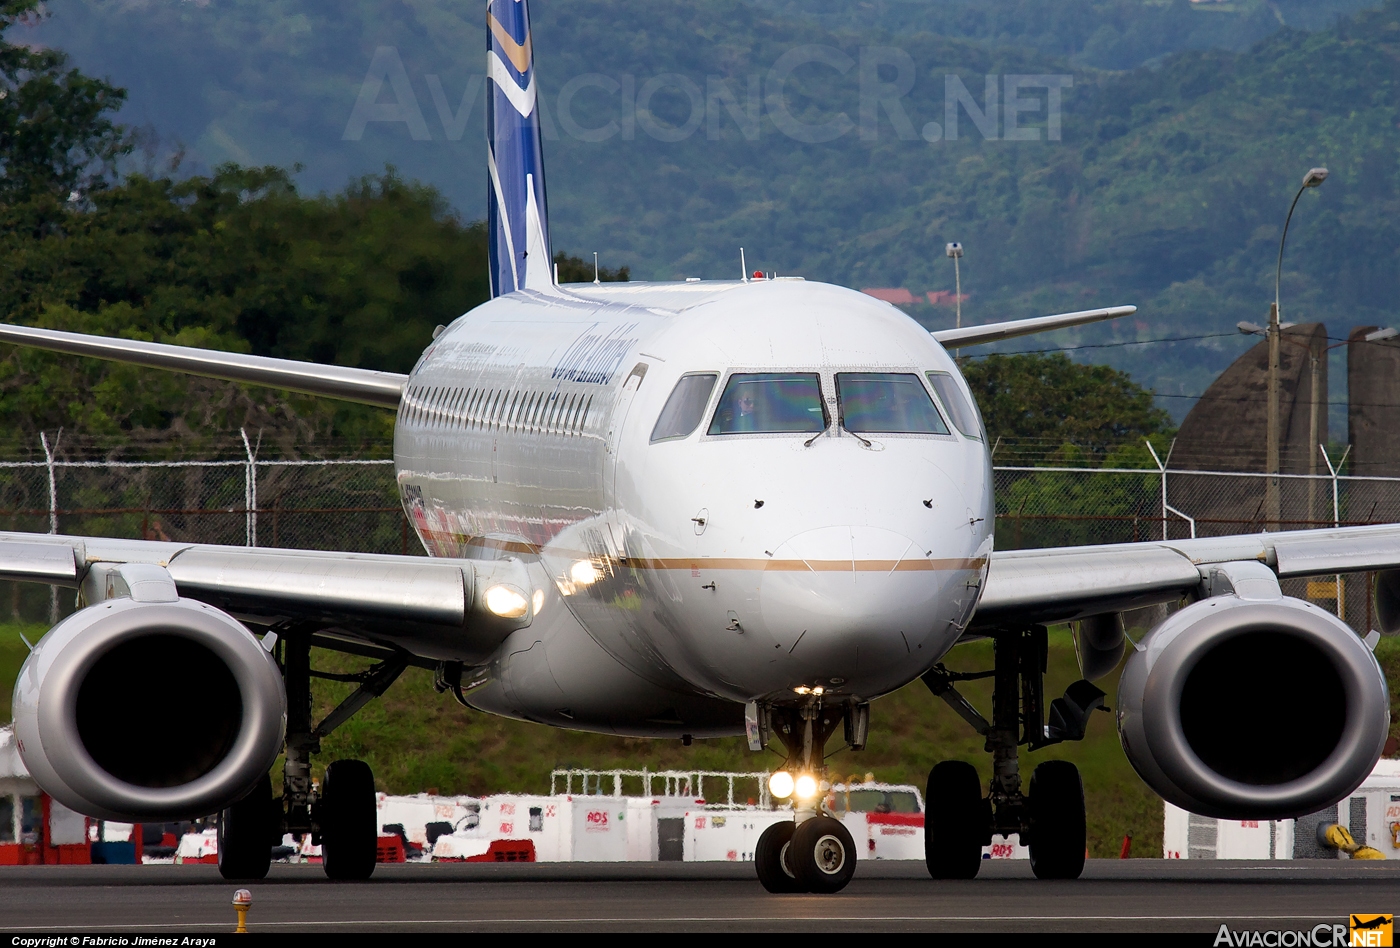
(822,855)
(1057,830)
(245,835)
(770,858)
(957,821)
(347,813)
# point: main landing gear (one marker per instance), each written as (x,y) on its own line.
(342,818)
(958,820)
(813,852)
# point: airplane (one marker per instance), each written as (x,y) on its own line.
(687,510)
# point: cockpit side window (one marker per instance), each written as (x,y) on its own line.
(685,408)
(770,403)
(966,418)
(886,402)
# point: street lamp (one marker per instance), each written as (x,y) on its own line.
(1312,179)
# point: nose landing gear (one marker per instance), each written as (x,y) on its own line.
(813,852)
(958,820)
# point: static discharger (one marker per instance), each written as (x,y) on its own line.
(242,901)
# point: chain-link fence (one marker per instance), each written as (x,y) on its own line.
(353,505)
(1041,507)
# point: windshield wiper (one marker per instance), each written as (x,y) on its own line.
(808,442)
(853,434)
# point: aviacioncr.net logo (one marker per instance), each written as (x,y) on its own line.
(1319,936)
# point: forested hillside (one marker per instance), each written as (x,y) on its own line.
(1166,188)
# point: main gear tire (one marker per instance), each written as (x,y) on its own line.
(957,821)
(347,813)
(245,835)
(1057,831)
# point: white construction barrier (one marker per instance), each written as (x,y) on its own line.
(1371,814)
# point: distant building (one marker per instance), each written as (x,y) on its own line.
(895,295)
(946,298)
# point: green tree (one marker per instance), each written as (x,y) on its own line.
(238,261)
(1043,402)
(578,270)
(56,134)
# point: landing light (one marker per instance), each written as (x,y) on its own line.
(806,787)
(780,784)
(802,690)
(537,601)
(506,602)
(584,573)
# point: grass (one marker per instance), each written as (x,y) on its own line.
(416,739)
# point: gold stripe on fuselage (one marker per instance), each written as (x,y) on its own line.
(518,54)
(813,566)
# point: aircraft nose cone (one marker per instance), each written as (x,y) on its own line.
(851,598)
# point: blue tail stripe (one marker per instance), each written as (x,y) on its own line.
(516,172)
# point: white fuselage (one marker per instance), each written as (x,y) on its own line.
(735,566)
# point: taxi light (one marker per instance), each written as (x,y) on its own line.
(583,573)
(802,690)
(506,602)
(780,784)
(537,601)
(818,690)
(806,787)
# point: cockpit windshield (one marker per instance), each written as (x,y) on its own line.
(887,402)
(770,402)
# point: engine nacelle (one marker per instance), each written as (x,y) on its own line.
(1249,709)
(137,711)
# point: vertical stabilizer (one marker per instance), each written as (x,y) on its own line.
(519,218)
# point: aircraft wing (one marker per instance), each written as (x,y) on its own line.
(996,332)
(434,608)
(381,389)
(1065,583)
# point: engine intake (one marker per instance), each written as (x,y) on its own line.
(1237,708)
(133,711)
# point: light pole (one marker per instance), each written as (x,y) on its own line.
(1312,179)
(1315,357)
(955,251)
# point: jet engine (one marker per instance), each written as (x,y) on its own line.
(138,710)
(1253,709)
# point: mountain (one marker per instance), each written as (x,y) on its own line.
(1166,187)
(1104,34)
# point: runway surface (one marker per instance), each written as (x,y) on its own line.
(1141,895)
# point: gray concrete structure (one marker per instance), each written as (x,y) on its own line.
(1227,431)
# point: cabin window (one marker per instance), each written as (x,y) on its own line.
(965,415)
(770,403)
(685,409)
(886,403)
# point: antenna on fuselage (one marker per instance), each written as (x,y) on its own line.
(595,268)
(743,266)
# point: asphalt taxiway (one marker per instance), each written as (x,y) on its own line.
(1138,895)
